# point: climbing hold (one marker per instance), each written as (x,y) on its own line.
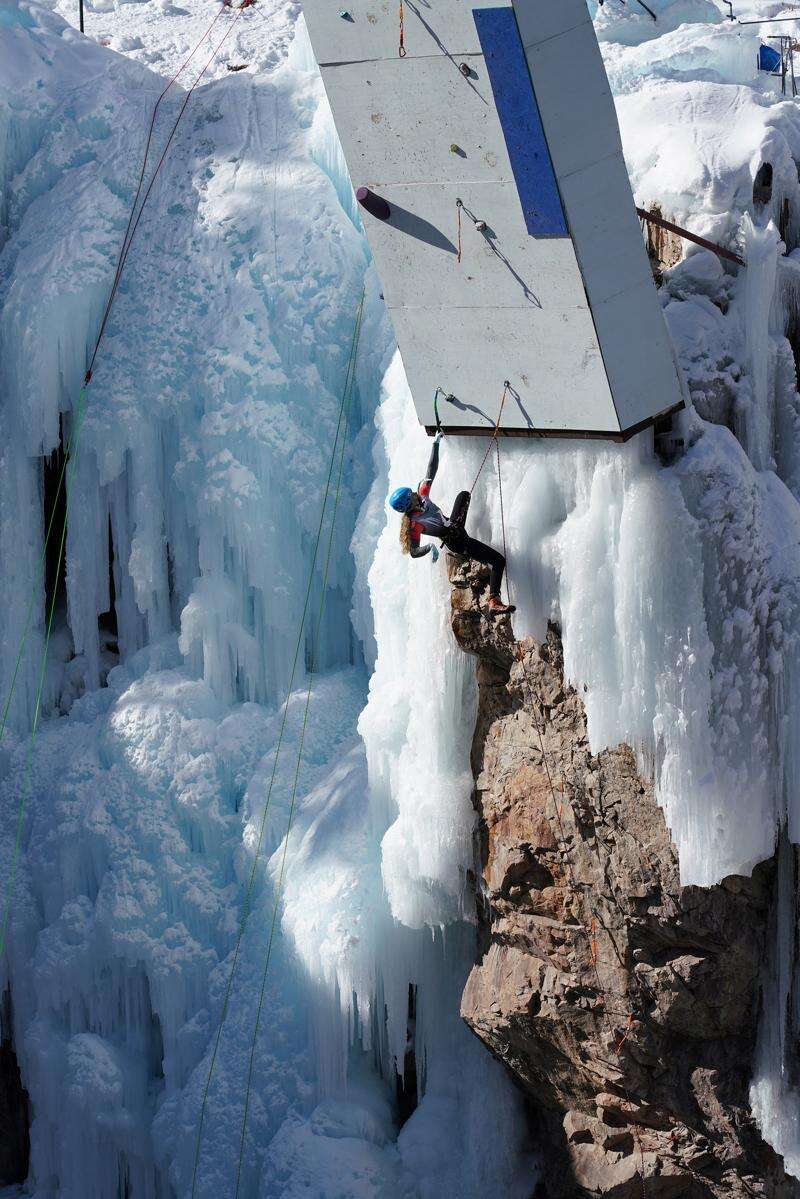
(480,226)
(345,15)
(464,69)
(456,149)
(375,205)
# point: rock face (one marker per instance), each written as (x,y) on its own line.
(624,1004)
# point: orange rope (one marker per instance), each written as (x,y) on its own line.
(493,438)
(401,50)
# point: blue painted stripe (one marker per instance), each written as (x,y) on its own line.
(522,125)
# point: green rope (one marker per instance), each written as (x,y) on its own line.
(293,801)
(80,411)
(39,572)
(37,712)
(251,880)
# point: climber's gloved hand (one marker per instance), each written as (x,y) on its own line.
(434,554)
(438,437)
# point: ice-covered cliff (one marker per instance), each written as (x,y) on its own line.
(190,536)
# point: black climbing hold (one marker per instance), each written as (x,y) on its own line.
(375,205)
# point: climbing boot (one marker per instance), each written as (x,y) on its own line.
(498,608)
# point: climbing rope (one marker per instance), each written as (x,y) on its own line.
(494,436)
(131,232)
(343,409)
(82,396)
(37,709)
(40,566)
(293,799)
(69,466)
(151,129)
(502,517)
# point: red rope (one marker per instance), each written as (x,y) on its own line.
(401,50)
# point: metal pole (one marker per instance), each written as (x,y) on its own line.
(80,14)
(648,10)
(769,21)
(720,251)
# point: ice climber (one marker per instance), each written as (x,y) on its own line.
(421,515)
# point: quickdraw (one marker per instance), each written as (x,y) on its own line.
(401,50)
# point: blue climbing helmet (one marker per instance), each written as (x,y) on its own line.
(400,499)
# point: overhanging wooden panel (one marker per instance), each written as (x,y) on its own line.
(573,321)
(463,345)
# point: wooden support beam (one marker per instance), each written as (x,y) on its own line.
(720,251)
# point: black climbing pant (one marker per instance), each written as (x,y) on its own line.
(459,542)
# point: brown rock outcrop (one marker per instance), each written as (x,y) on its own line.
(623,1003)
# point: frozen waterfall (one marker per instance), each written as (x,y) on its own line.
(192,517)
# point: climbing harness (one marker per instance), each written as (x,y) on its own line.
(343,417)
(401,49)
